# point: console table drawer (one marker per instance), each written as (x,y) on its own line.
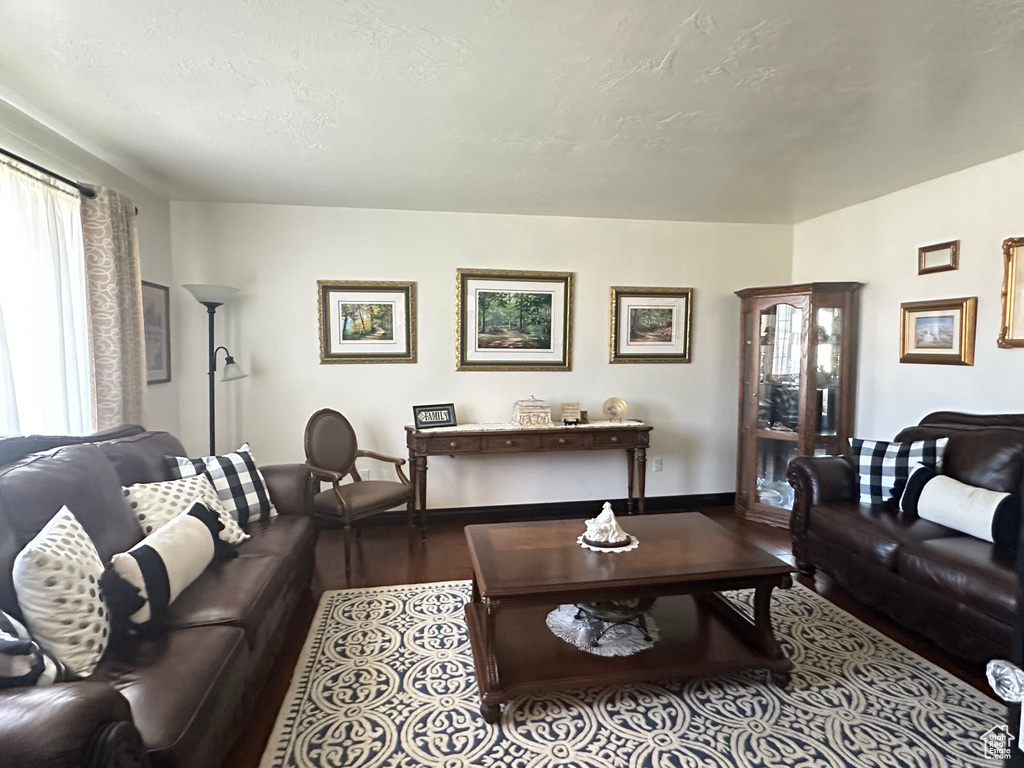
(561,442)
(510,443)
(613,440)
(452,444)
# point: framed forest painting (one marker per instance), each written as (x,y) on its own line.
(367,322)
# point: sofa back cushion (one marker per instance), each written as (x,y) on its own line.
(34,489)
(990,458)
(140,458)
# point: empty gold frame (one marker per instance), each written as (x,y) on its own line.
(1011,331)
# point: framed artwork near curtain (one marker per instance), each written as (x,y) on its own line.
(366,322)
(650,325)
(156,322)
(941,257)
(938,331)
(513,320)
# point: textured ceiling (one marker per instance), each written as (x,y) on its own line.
(767,111)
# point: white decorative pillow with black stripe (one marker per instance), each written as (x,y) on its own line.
(239,484)
(141,583)
(990,515)
(57,583)
(22,661)
(884,467)
(156,504)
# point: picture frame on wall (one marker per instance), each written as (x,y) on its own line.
(938,332)
(1011,327)
(366,321)
(431,416)
(941,257)
(156,323)
(512,320)
(650,325)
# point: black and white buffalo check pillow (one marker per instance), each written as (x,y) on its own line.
(239,484)
(884,467)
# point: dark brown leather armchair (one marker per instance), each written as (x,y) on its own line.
(331,453)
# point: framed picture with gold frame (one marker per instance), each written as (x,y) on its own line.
(366,321)
(650,325)
(1011,329)
(939,332)
(941,257)
(513,320)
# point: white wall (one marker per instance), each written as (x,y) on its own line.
(275,254)
(24,136)
(876,242)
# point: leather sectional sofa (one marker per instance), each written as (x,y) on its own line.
(180,698)
(957,590)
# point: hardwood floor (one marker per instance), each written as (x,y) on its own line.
(384,555)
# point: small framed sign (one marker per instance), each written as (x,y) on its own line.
(941,257)
(428,416)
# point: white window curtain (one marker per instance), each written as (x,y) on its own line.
(44,328)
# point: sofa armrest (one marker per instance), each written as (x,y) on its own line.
(78,725)
(816,480)
(290,488)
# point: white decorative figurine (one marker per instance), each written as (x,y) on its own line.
(604,534)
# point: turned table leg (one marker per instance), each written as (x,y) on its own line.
(641,476)
(631,462)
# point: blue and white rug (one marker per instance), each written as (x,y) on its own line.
(386,679)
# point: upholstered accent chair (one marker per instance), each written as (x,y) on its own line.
(331,453)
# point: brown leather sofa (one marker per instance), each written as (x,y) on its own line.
(180,698)
(957,590)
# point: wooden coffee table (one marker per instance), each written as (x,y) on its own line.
(521,571)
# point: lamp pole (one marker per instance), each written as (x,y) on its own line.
(211,310)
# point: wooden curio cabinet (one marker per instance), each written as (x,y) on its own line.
(798,347)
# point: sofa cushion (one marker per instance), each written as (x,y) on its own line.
(990,458)
(32,491)
(292,537)
(968,570)
(240,592)
(183,688)
(140,458)
(872,531)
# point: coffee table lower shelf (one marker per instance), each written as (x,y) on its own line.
(696,640)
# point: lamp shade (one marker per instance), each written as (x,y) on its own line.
(211,294)
(232,370)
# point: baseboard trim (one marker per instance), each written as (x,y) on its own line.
(556,509)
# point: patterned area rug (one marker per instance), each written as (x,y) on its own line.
(386,679)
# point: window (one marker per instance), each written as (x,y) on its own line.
(44,340)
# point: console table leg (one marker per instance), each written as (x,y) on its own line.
(641,460)
(631,461)
(421,492)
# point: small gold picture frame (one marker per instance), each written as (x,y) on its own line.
(941,257)
(1011,329)
(650,325)
(938,332)
(369,321)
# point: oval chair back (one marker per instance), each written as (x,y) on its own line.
(330,441)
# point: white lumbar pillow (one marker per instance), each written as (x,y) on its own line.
(156,504)
(56,579)
(164,563)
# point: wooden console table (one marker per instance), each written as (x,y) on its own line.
(478,439)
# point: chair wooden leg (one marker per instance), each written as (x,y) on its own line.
(348,550)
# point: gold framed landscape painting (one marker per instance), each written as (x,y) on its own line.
(366,322)
(650,325)
(940,332)
(513,320)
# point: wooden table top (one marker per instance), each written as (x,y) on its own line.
(532,558)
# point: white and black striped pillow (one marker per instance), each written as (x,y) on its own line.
(22,661)
(884,467)
(239,484)
(141,583)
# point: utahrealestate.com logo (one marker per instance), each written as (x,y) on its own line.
(997,742)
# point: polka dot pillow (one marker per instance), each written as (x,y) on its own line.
(156,504)
(56,579)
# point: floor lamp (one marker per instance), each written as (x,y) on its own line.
(211,297)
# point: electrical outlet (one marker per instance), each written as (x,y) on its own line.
(656,465)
